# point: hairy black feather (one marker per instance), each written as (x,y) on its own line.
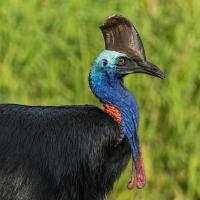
(58,153)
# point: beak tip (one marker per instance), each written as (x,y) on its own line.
(162,76)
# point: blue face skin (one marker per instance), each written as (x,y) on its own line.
(107,85)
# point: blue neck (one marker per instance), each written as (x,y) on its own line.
(111,91)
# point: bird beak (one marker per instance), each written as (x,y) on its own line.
(140,67)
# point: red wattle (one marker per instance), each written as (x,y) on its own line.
(141,178)
(131,184)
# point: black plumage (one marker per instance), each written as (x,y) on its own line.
(59,153)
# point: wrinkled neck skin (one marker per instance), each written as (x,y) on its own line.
(111,91)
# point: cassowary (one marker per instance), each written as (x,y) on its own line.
(77,152)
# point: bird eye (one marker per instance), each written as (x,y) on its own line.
(122,61)
(105,62)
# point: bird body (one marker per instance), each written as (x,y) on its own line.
(76,152)
(58,152)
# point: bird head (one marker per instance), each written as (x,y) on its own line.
(124,54)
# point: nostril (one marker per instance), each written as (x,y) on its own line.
(105,62)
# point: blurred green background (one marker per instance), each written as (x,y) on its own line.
(47,47)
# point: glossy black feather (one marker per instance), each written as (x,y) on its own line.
(58,153)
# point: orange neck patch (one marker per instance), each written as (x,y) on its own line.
(113,112)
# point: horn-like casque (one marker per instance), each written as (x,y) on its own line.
(120,35)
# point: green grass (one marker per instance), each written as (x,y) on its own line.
(47,47)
